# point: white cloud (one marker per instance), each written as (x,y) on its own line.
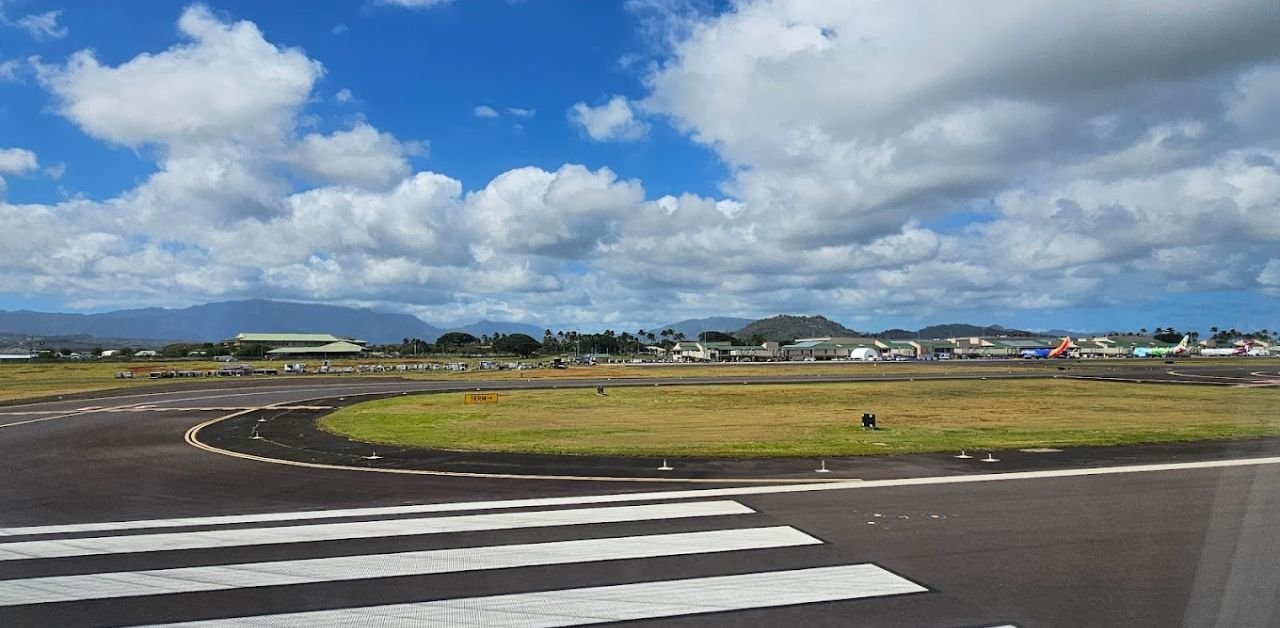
(484,111)
(882,158)
(339,29)
(344,96)
(522,113)
(361,156)
(43,26)
(563,214)
(1269,277)
(612,121)
(415,4)
(17,161)
(9,70)
(228,82)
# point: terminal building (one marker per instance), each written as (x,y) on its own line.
(298,346)
(15,353)
(973,348)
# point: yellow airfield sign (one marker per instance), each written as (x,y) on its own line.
(480,398)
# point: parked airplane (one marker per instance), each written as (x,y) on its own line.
(1245,349)
(1160,352)
(1057,351)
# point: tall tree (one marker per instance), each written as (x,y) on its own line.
(522,345)
(455,340)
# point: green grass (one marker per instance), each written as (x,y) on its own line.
(42,379)
(23,381)
(817,419)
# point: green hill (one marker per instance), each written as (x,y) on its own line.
(785,328)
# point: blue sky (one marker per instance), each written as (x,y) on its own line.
(635,163)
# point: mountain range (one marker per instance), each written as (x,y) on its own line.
(213,322)
(694,326)
(955,330)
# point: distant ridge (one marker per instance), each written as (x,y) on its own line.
(220,321)
(694,326)
(961,330)
(213,322)
(489,328)
(955,330)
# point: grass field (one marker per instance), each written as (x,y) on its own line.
(41,379)
(817,419)
(24,381)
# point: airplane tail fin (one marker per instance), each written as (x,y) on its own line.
(1061,348)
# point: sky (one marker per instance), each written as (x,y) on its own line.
(1090,166)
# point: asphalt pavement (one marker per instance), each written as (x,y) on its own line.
(233,541)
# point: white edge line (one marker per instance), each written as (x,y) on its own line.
(633,497)
(191,439)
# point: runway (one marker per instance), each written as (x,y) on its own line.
(154,531)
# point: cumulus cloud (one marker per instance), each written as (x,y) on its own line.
(15,161)
(484,111)
(522,113)
(882,157)
(344,96)
(563,214)
(613,121)
(846,122)
(361,156)
(228,82)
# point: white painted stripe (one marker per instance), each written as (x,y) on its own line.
(598,605)
(279,573)
(116,526)
(55,548)
(627,497)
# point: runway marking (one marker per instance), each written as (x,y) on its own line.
(241,537)
(191,439)
(1135,380)
(597,605)
(668,495)
(151,408)
(265,390)
(1197,375)
(63,415)
(291,572)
